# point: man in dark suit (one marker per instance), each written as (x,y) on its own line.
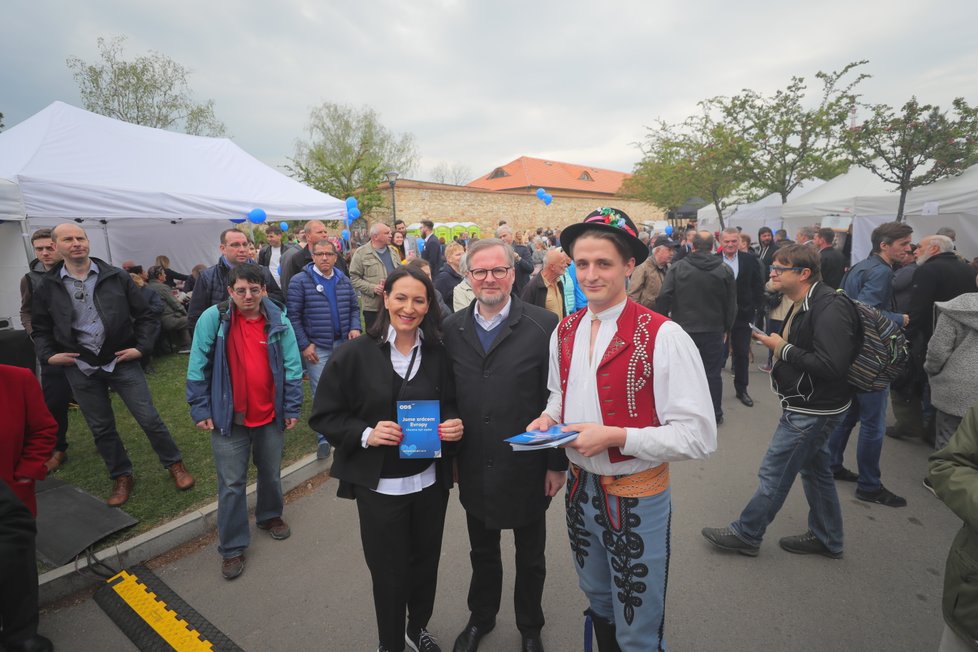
(499,347)
(432,247)
(766,247)
(750,298)
(832,263)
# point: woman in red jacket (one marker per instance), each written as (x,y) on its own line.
(27,433)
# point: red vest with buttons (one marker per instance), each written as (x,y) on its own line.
(625,371)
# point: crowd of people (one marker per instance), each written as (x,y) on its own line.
(604,329)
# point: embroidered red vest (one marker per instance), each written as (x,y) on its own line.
(625,371)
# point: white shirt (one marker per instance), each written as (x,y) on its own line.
(275,256)
(497,319)
(413,483)
(732,263)
(682,398)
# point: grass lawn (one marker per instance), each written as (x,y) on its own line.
(155,500)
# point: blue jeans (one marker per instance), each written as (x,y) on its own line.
(315,370)
(800,446)
(869,410)
(231,455)
(92,394)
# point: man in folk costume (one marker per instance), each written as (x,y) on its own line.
(631,382)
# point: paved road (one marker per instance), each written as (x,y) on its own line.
(312,591)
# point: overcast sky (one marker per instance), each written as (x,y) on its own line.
(481,83)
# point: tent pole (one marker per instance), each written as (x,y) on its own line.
(26,236)
(105,234)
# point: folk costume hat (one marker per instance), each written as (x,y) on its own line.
(611,220)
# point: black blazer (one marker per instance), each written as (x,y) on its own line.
(750,286)
(355,392)
(499,394)
(832,265)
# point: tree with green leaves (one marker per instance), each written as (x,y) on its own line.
(695,158)
(150,90)
(783,140)
(347,152)
(916,145)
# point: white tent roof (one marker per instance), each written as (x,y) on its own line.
(763,212)
(857,192)
(64,162)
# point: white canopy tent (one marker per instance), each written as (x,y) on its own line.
(752,216)
(138,191)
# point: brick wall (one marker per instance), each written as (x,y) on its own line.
(417,201)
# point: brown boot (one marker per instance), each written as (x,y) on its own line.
(121,490)
(181,478)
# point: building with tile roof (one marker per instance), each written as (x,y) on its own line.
(527,174)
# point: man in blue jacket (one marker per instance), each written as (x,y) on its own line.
(871,281)
(324,312)
(244,384)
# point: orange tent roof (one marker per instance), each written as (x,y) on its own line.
(532,173)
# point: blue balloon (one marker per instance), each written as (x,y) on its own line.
(547,199)
(284,226)
(237,220)
(346,234)
(669,230)
(540,193)
(351,202)
(354,213)
(257,216)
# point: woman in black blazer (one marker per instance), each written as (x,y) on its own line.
(401,502)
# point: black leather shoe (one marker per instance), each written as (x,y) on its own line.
(532,643)
(745,399)
(468,640)
(36,643)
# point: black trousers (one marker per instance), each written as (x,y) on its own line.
(57,395)
(369,317)
(18,570)
(401,537)
(740,350)
(710,346)
(486,587)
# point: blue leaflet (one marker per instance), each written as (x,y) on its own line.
(419,421)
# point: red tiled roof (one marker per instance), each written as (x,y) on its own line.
(532,173)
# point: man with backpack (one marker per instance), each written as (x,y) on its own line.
(812,353)
(870,281)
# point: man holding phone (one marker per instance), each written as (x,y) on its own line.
(812,354)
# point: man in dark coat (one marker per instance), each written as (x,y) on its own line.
(211,287)
(499,348)
(750,298)
(432,247)
(831,261)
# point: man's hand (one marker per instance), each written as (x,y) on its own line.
(385,433)
(290,423)
(206,424)
(379,289)
(309,353)
(906,319)
(63,359)
(554,481)
(125,355)
(771,341)
(541,423)
(450,430)
(593,438)
(354,334)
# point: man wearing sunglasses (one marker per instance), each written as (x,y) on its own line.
(90,318)
(812,354)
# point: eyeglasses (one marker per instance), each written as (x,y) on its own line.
(328,254)
(79,289)
(243,292)
(777,270)
(497,273)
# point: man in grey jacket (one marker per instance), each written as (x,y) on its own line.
(700,294)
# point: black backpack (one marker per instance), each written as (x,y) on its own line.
(882,355)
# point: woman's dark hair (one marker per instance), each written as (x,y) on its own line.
(432,320)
